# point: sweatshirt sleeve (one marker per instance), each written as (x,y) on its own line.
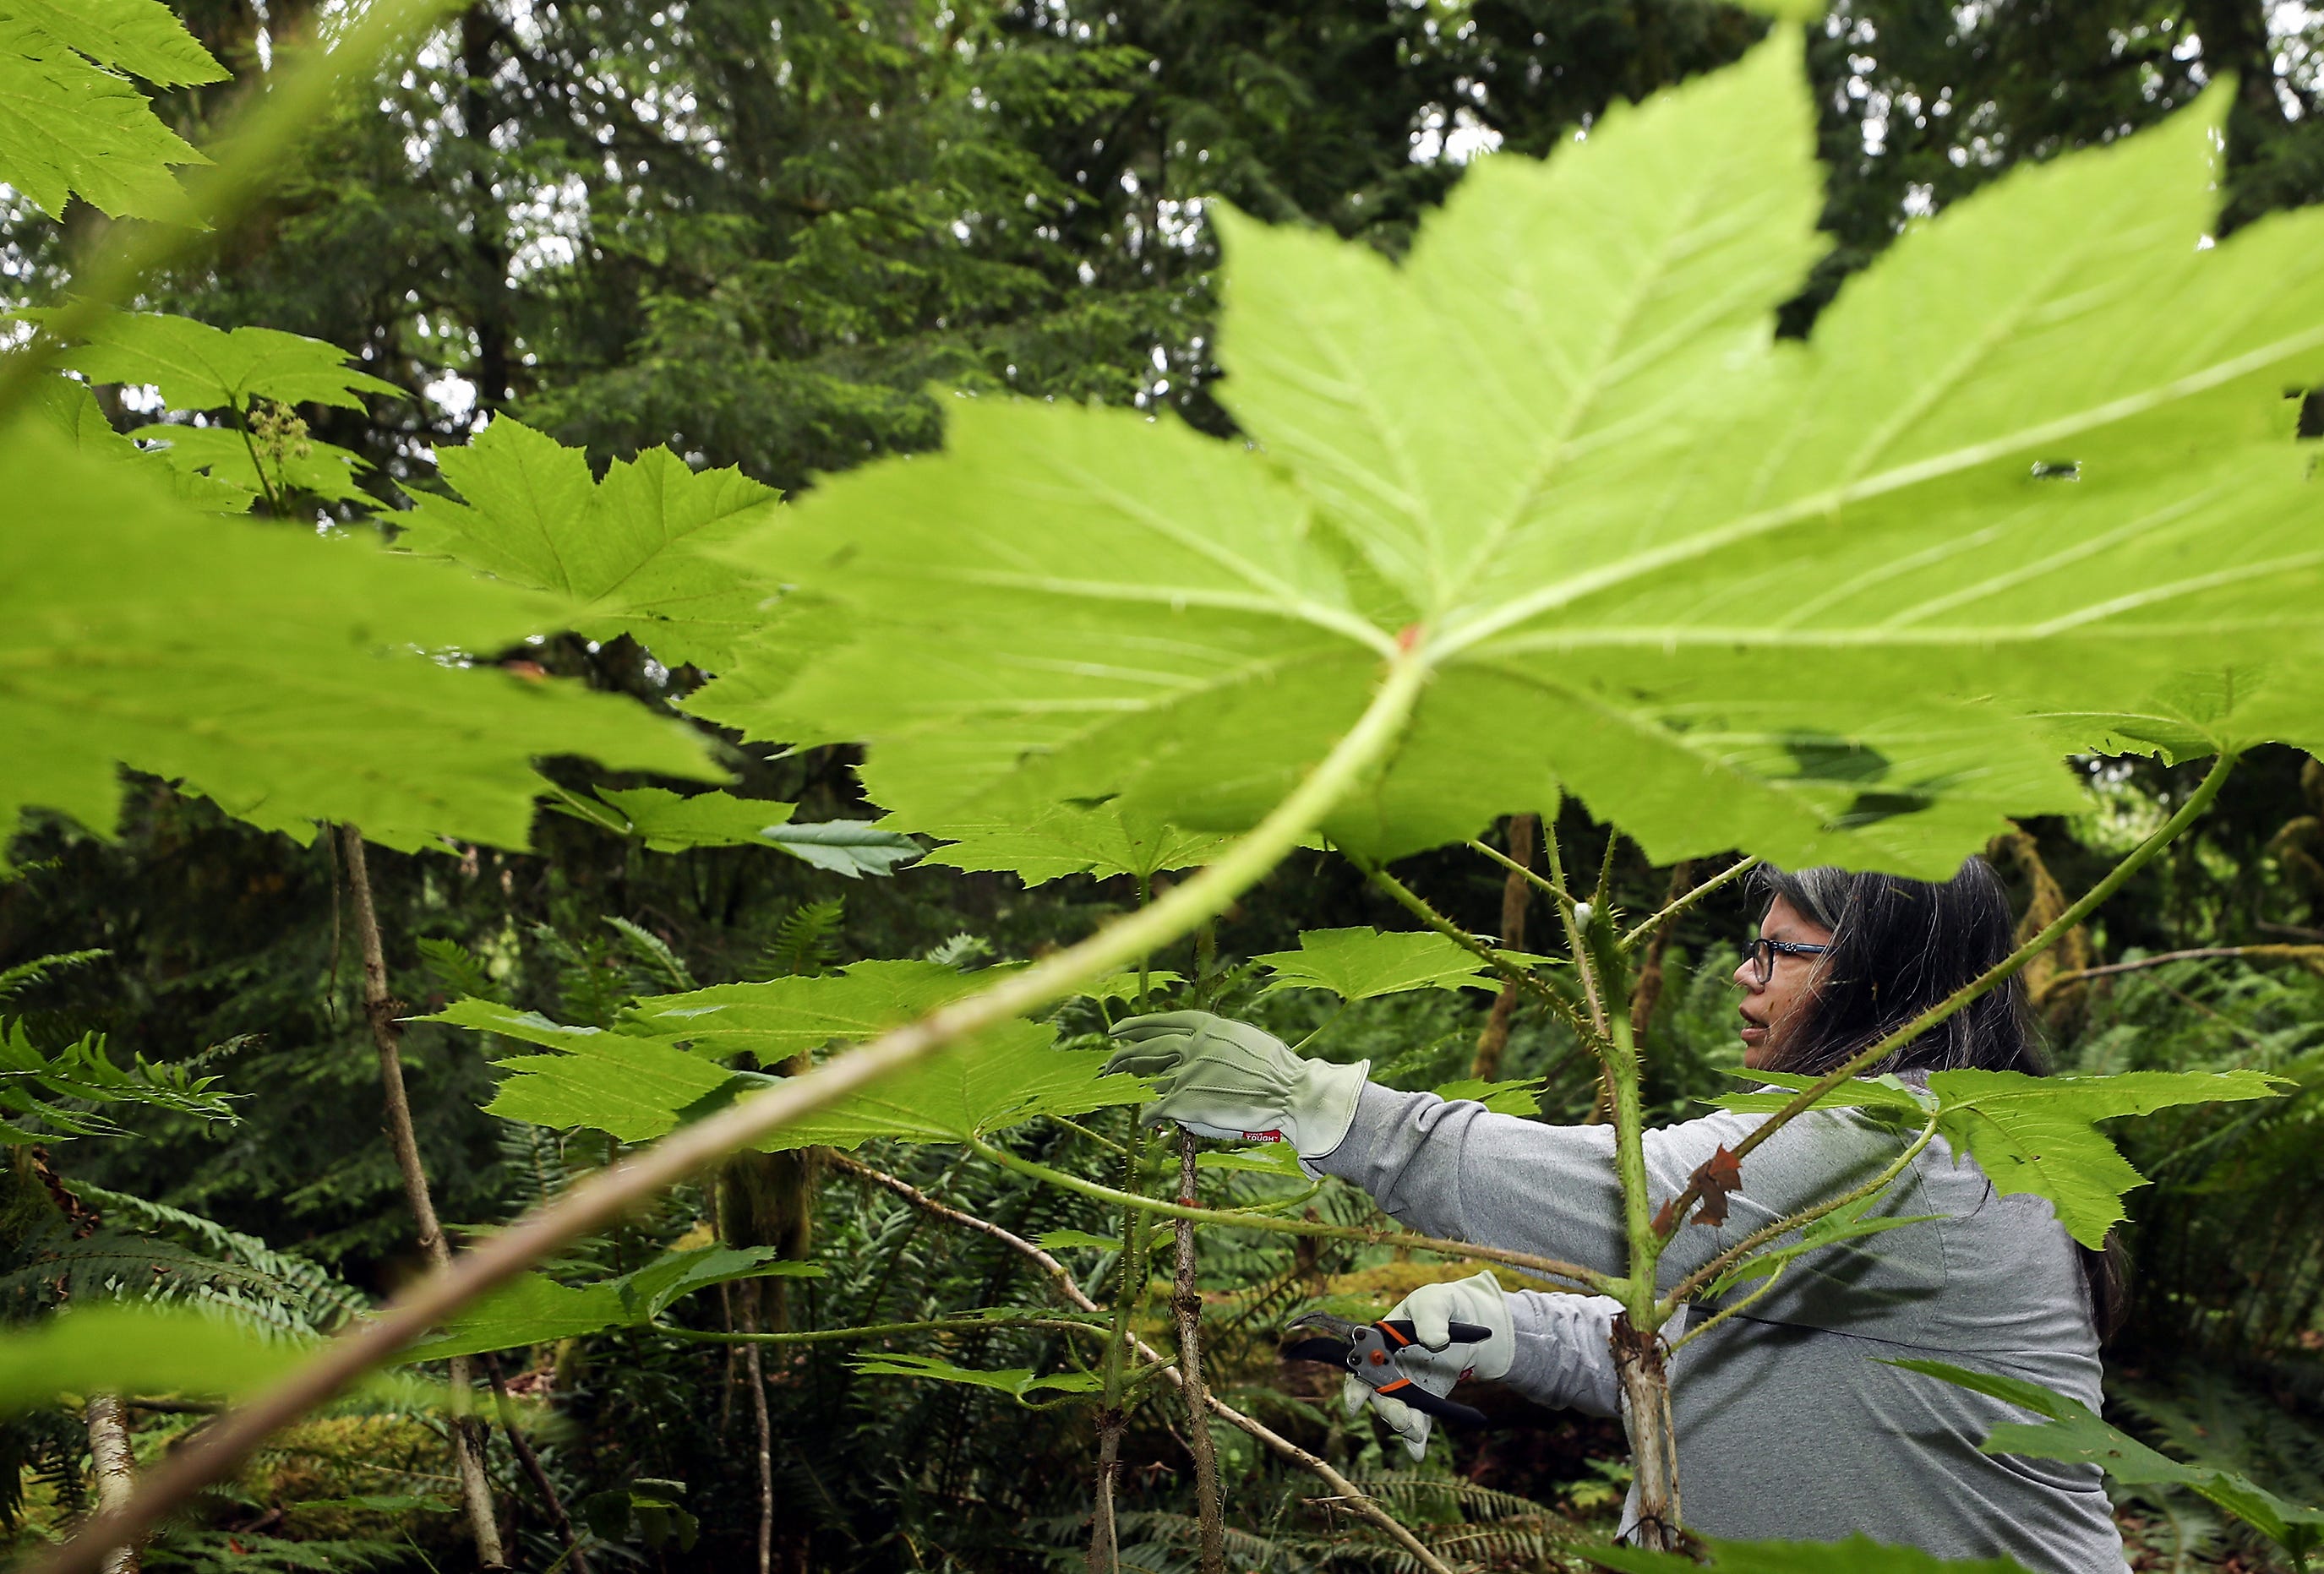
(1563,1355)
(1457,1169)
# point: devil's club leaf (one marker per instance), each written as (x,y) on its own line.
(279,674)
(1067,838)
(853,848)
(1358,964)
(1521,1096)
(1558,456)
(1004,1077)
(626,555)
(2073,1432)
(781,1017)
(71,123)
(2039,1134)
(534,1309)
(197,367)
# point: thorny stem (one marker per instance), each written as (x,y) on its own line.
(381,1007)
(1735,871)
(1348,1493)
(1113,1418)
(1595,1037)
(1418,907)
(1724,1312)
(1187,1301)
(604,1196)
(1552,889)
(1999,973)
(1575,1276)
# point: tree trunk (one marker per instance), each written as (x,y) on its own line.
(382,1008)
(1653,1447)
(1517,892)
(117,1469)
(1186,1300)
(1648,989)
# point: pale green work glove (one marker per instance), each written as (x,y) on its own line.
(1227,1079)
(1434,1309)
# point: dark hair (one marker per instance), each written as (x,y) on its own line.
(1898,947)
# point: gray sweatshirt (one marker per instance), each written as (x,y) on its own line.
(1789,1428)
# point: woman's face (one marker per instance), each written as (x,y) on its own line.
(1773,1010)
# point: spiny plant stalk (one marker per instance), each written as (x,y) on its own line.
(1186,1300)
(598,1201)
(380,1008)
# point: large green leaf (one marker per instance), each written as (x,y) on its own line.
(1068,839)
(2040,1134)
(1856,1555)
(1357,965)
(197,367)
(1005,1077)
(630,1086)
(2073,1432)
(1793,597)
(72,122)
(783,1017)
(534,1309)
(624,556)
(285,676)
(224,454)
(2031,1133)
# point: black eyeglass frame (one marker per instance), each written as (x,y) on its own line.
(1763,952)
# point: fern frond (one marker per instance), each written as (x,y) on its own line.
(654,955)
(15,980)
(807,940)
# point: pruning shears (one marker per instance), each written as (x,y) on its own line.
(1368,1350)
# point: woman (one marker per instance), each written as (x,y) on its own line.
(1789,1425)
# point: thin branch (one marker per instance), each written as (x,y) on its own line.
(1548,887)
(1357,1501)
(1186,1302)
(611,1193)
(1736,871)
(2308,953)
(1574,1275)
(575,1558)
(2000,973)
(1729,1310)
(380,1008)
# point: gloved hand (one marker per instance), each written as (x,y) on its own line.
(1227,1079)
(1432,1309)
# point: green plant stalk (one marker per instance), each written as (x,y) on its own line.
(879,1330)
(1573,1276)
(1999,973)
(605,1196)
(1550,889)
(1418,907)
(1724,1312)
(253,156)
(1574,948)
(1645,929)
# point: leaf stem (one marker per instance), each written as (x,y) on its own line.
(1736,871)
(610,1192)
(1418,907)
(1549,888)
(1999,973)
(1574,1275)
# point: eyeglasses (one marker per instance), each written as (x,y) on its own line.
(1761,953)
